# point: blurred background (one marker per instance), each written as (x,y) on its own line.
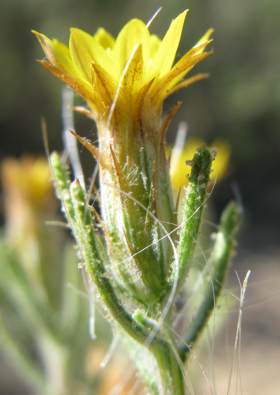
(239,104)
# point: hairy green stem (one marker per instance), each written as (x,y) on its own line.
(193,209)
(219,262)
(79,216)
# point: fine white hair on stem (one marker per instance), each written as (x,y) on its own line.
(200,281)
(168,234)
(172,293)
(210,332)
(237,342)
(109,354)
(71,150)
(92,182)
(153,333)
(153,17)
(176,260)
(92,303)
(70,141)
(210,382)
(195,358)
(188,383)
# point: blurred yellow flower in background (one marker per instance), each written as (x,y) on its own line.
(37,263)
(28,178)
(28,201)
(178,167)
(27,186)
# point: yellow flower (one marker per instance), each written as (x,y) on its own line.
(125,81)
(27,180)
(178,169)
(124,71)
(28,199)
(27,194)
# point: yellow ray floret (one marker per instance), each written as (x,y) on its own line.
(97,66)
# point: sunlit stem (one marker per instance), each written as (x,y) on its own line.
(193,208)
(219,263)
(170,371)
(80,219)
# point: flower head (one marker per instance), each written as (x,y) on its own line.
(135,65)
(124,81)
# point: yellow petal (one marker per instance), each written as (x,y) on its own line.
(85,50)
(58,56)
(176,74)
(133,75)
(47,46)
(205,39)
(103,83)
(63,58)
(169,45)
(185,83)
(149,55)
(154,44)
(57,53)
(107,88)
(79,86)
(104,38)
(81,49)
(134,33)
(136,68)
(190,59)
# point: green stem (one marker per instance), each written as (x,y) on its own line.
(193,209)
(170,370)
(172,382)
(79,216)
(219,263)
(165,352)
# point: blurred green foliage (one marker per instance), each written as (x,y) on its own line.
(239,102)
